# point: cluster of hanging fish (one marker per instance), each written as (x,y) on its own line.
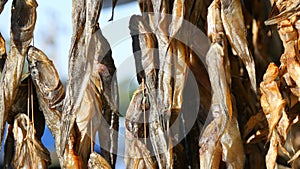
(159,98)
(237,125)
(29,100)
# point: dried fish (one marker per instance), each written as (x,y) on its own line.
(271,99)
(110,97)
(137,153)
(223,124)
(29,152)
(147,61)
(85,17)
(231,12)
(22,30)
(98,162)
(21,36)
(50,91)
(273,106)
(232,151)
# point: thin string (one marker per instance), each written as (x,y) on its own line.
(32,108)
(28,120)
(144,110)
(92,148)
(28,105)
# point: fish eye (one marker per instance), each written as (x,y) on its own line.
(34,72)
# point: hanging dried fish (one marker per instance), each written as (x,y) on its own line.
(50,91)
(271,99)
(232,151)
(96,161)
(29,152)
(85,17)
(105,71)
(137,153)
(21,36)
(234,26)
(273,106)
(147,61)
(223,126)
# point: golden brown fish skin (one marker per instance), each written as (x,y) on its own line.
(106,72)
(273,105)
(137,154)
(71,159)
(21,36)
(146,61)
(22,30)
(85,17)
(234,26)
(29,152)
(50,91)
(280,81)
(223,126)
(96,161)
(50,96)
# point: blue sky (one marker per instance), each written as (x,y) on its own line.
(53,35)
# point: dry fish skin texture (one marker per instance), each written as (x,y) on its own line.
(137,153)
(96,161)
(50,86)
(71,159)
(271,99)
(214,144)
(21,36)
(22,30)
(105,71)
(49,90)
(85,16)
(29,152)
(233,22)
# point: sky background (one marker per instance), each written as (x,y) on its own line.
(52,35)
